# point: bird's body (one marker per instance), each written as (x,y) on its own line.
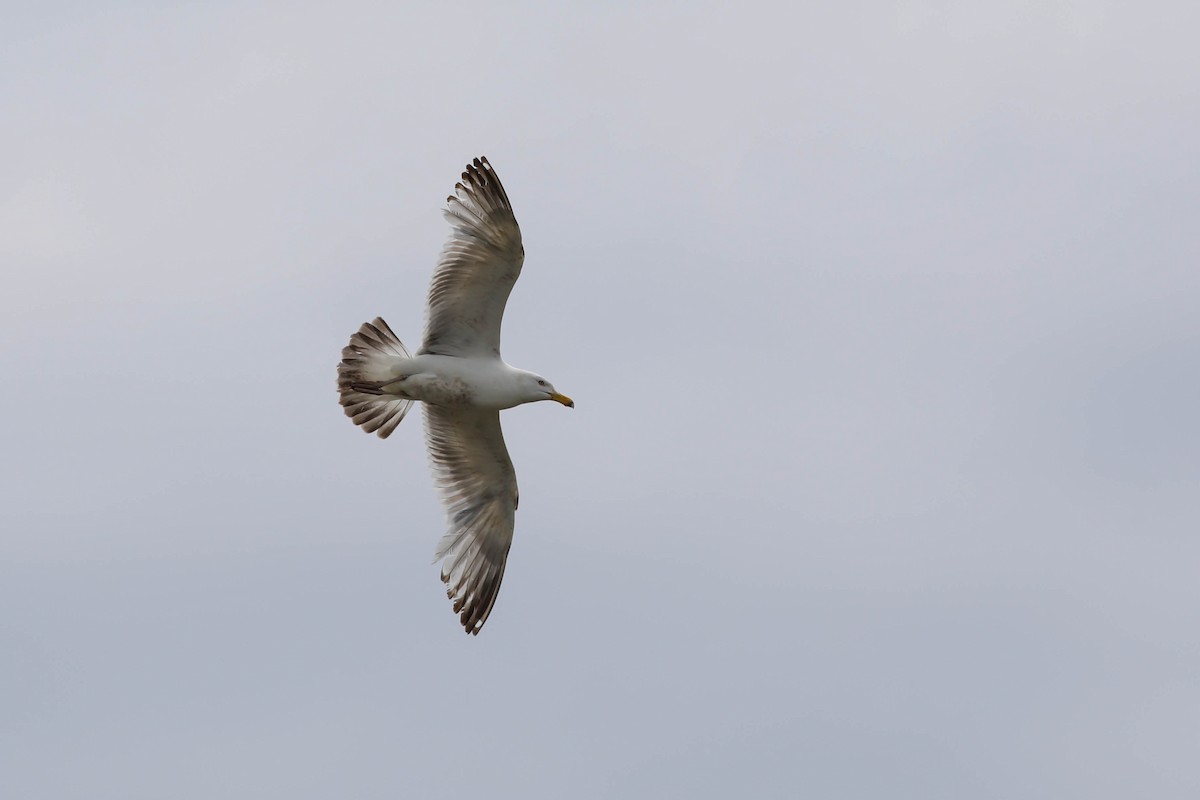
(480,382)
(459,376)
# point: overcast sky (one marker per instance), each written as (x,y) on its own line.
(883,326)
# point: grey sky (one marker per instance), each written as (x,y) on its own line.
(882,327)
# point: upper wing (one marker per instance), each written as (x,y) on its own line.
(479,488)
(477,269)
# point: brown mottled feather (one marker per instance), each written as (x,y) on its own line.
(479,489)
(477,269)
(373,345)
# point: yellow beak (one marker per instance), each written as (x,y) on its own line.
(562,398)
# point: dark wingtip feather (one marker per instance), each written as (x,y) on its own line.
(473,600)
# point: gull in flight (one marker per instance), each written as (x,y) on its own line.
(459,376)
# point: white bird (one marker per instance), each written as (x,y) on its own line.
(459,376)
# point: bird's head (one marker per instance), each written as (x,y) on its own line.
(535,387)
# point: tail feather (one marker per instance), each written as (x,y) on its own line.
(369,363)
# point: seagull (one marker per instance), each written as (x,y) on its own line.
(464,384)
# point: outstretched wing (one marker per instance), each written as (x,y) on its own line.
(479,488)
(477,269)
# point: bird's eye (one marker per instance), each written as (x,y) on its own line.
(541,383)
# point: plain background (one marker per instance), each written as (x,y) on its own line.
(881,320)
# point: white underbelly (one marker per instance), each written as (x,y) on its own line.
(435,390)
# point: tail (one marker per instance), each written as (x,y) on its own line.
(369,364)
